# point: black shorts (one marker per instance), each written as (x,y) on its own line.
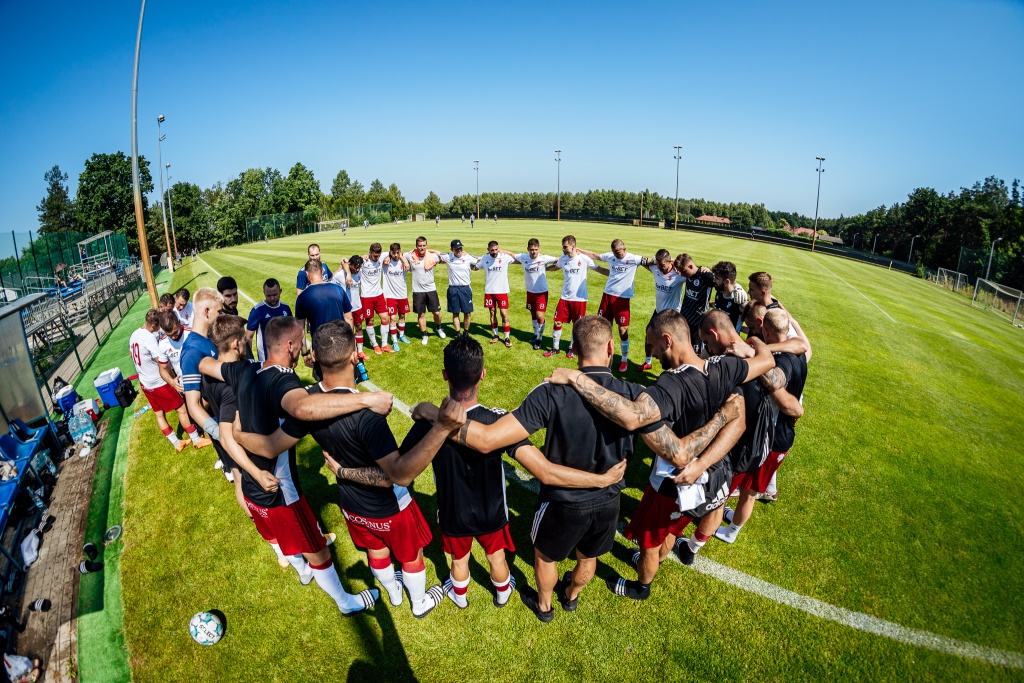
(460,299)
(422,302)
(222,453)
(716,489)
(589,527)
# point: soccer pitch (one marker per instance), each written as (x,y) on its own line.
(900,500)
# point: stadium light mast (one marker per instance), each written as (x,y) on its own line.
(991,251)
(171,209)
(558,159)
(817,202)
(147,267)
(476,167)
(911,255)
(163,196)
(677,157)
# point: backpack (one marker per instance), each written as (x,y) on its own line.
(125,393)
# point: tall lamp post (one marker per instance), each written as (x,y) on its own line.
(558,160)
(817,202)
(476,167)
(140,220)
(171,209)
(163,196)
(911,255)
(677,157)
(991,251)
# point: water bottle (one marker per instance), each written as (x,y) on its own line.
(140,411)
(77,427)
(361,374)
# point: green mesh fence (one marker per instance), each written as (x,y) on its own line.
(29,261)
(275,225)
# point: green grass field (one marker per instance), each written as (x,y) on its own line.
(900,500)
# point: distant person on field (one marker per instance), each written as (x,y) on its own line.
(158,385)
(472,221)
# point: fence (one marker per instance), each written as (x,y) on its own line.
(31,262)
(276,225)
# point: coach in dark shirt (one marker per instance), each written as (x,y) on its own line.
(319,303)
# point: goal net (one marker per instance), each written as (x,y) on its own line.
(992,296)
(324,226)
(952,280)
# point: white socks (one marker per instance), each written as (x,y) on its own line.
(327,579)
(416,584)
(440,332)
(694,544)
(371,335)
(494,331)
(536,329)
(625,349)
(456,591)
(277,551)
(728,533)
(392,582)
(504,590)
(302,567)
(556,340)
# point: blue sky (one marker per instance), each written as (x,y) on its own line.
(895,95)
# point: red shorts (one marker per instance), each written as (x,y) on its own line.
(537,301)
(758,481)
(294,526)
(570,311)
(656,517)
(373,304)
(398,306)
(357,315)
(459,546)
(500,299)
(164,399)
(614,308)
(404,534)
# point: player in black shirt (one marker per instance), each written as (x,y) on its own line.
(697,296)
(730,298)
(471,485)
(372,475)
(266,394)
(785,384)
(759,287)
(681,418)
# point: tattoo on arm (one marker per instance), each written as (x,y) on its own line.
(773,380)
(463,433)
(678,451)
(370,476)
(618,408)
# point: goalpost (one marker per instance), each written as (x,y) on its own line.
(1005,301)
(952,280)
(324,226)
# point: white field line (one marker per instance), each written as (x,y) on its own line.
(813,606)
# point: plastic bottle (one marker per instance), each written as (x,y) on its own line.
(361,374)
(77,427)
(140,411)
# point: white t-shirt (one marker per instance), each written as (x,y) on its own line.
(495,273)
(459,268)
(621,273)
(574,274)
(369,278)
(422,272)
(395,284)
(171,350)
(668,288)
(534,271)
(186,316)
(147,358)
(353,291)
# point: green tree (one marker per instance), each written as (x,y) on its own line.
(300,190)
(432,205)
(191,217)
(105,198)
(56,211)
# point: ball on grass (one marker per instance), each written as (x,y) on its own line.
(206,628)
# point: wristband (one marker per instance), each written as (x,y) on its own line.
(212,428)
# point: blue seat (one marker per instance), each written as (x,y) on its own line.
(22,432)
(12,449)
(8,491)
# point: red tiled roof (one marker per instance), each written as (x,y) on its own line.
(714,219)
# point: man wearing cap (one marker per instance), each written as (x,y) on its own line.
(460,294)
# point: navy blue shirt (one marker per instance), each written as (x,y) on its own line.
(301,281)
(318,304)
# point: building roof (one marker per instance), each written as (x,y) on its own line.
(714,219)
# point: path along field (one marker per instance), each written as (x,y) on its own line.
(901,499)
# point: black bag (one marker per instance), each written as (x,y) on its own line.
(125,393)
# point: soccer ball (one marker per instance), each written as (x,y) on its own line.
(206,628)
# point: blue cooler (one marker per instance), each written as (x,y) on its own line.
(106,384)
(66,399)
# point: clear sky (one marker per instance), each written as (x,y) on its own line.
(895,95)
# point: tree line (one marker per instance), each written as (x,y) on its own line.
(211,217)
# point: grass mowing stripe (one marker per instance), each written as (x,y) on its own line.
(813,606)
(242,293)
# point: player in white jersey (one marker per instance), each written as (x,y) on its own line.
(396,292)
(183,307)
(618,291)
(535,266)
(495,265)
(371,294)
(348,277)
(157,383)
(424,289)
(668,291)
(170,344)
(460,294)
(572,304)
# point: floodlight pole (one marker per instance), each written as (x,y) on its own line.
(163,197)
(171,210)
(677,157)
(874,244)
(140,220)
(558,160)
(992,249)
(911,255)
(476,167)
(817,202)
